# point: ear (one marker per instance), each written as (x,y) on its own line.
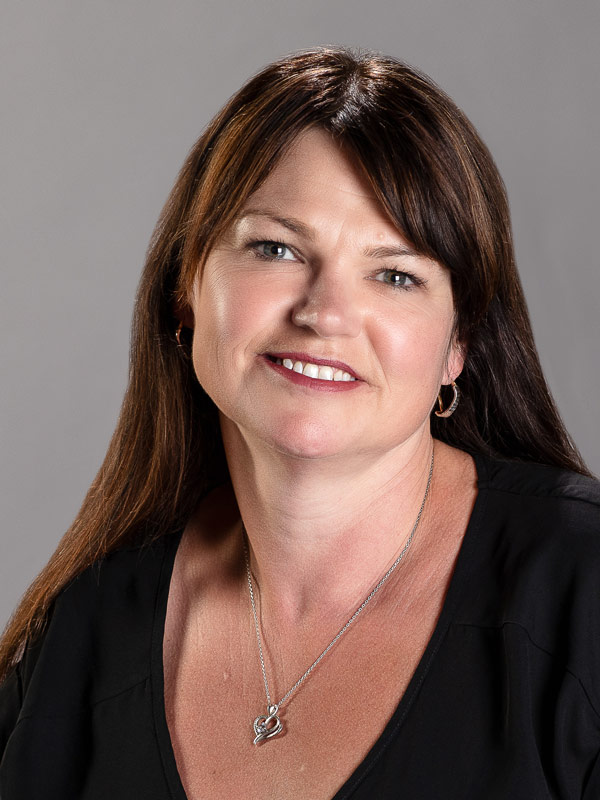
(183,312)
(455,361)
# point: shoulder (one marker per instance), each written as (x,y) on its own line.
(117,594)
(99,636)
(546,520)
(547,503)
(128,574)
(539,550)
(536,480)
(536,533)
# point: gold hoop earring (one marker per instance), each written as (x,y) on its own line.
(453,405)
(178,334)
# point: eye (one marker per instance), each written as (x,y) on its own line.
(400,280)
(273,251)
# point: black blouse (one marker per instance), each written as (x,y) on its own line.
(505,702)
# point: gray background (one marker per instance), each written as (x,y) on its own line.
(102,100)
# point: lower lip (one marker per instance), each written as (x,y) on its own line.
(312,383)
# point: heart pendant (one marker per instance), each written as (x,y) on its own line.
(265,727)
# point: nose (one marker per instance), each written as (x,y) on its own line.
(329,305)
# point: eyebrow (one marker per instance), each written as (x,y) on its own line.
(296,226)
(288,222)
(393,251)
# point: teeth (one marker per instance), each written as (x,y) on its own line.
(311,371)
(322,373)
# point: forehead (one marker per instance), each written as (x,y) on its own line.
(316,157)
(319,181)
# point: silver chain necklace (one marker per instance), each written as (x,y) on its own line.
(268,725)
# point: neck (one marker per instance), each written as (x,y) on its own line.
(322,532)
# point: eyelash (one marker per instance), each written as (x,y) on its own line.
(415,282)
(254,245)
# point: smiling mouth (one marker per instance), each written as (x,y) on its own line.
(322,372)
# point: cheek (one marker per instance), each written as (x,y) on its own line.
(232,317)
(220,314)
(237,308)
(213,317)
(413,346)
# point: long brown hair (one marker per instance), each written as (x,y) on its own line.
(439,185)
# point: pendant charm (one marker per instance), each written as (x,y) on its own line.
(265,727)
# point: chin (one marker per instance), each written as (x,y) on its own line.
(306,439)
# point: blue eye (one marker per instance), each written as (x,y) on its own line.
(275,251)
(393,277)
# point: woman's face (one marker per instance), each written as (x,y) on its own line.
(312,272)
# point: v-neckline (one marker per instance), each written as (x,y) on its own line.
(458,580)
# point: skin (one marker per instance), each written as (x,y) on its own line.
(310,468)
(328,485)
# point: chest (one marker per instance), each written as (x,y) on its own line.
(214,690)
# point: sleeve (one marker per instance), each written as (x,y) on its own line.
(11,699)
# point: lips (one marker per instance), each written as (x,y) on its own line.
(307,358)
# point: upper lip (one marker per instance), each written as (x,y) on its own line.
(306,358)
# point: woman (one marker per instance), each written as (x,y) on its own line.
(300,572)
